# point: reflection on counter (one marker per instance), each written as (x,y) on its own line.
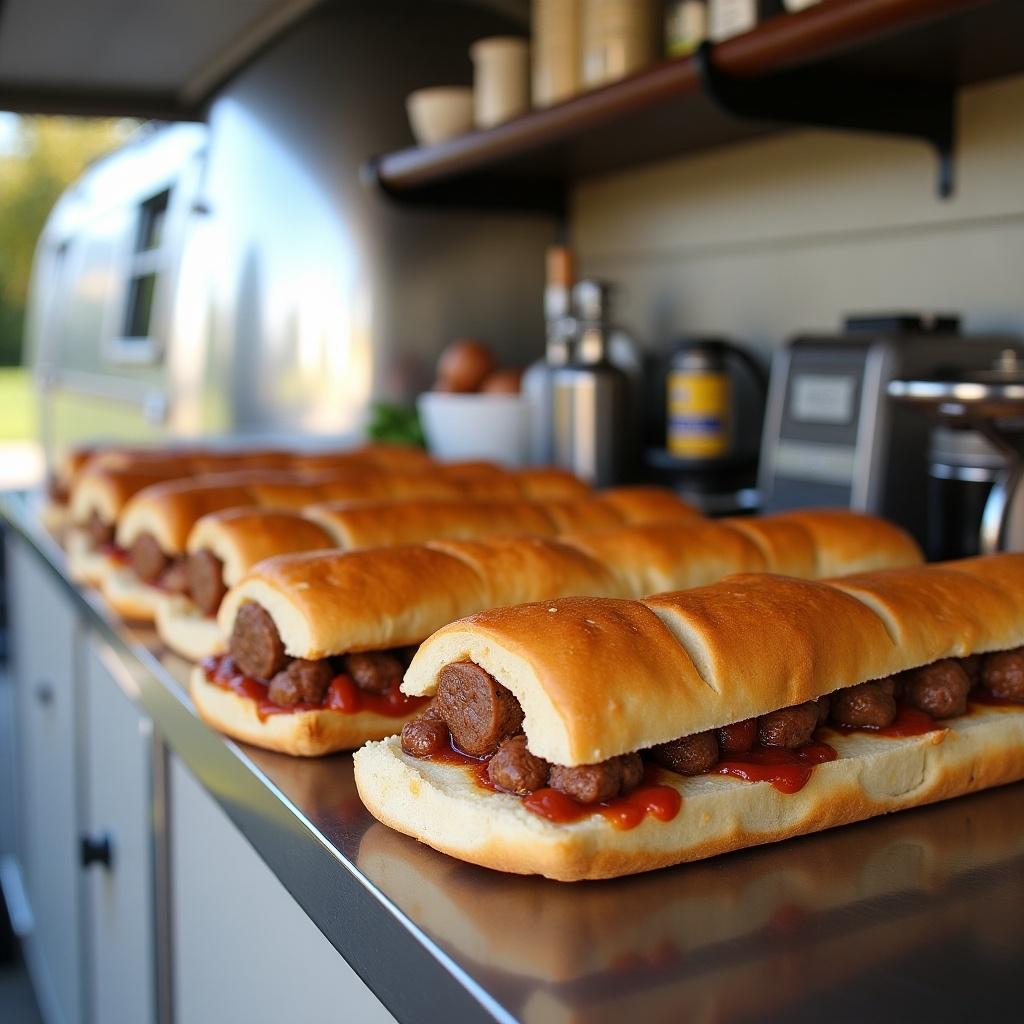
(760,932)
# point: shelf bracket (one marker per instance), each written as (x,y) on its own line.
(820,98)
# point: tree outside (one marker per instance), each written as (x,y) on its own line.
(39,158)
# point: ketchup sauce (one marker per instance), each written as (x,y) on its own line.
(624,812)
(220,670)
(787,770)
(118,554)
(342,695)
(909,721)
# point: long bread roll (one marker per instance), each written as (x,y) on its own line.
(598,681)
(324,606)
(185,625)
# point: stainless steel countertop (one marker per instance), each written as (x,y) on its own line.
(920,914)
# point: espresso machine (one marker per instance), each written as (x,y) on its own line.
(834,437)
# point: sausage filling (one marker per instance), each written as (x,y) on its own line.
(157,569)
(206,581)
(257,651)
(474,714)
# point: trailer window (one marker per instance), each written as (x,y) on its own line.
(137,342)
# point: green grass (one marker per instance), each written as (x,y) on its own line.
(17,404)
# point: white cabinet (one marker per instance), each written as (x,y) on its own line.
(119,881)
(243,948)
(43,634)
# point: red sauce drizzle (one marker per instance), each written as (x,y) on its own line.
(624,812)
(787,770)
(909,721)
(342,695)
(988,699)
(118,554)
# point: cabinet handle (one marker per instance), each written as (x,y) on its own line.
(97,850)
(44,693)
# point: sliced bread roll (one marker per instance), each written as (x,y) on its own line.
(598,679)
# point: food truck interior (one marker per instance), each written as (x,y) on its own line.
(484,303)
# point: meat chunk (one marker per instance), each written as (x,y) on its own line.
(478,710)
(514,769)
(255,645)
(632,767)
(174,579)
(206,581)
(302,682)
(426,734)
(374,671)
(869,704)
(689,755)
(972,665)
(147,558)
(592,783)
(824,707)
(739,737)
(100,533)
(939,689)
(1003,674)
(788,727)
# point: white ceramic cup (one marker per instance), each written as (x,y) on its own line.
(501,79)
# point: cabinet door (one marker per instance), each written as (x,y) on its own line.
(43,629)
(243,949)
(119,839)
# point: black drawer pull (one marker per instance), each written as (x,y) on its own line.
(96,850)
(44,693)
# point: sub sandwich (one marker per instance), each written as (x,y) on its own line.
(313,639)
(589,738)
(145,558)
(178,462)
(223,546)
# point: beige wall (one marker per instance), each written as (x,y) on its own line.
(765,238)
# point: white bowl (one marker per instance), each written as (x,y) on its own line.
(440,112)
(493,427)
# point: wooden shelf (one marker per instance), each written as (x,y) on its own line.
(666,111)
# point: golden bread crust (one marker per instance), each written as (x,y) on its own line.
(169,510)
(849,542)
(582,515)
(384,524)
(326,603)
(595,677)
(642,504)
(241,537)
(787,546)
(670,556)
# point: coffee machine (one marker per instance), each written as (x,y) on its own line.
(833,437)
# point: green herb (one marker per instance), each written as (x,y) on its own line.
(398,424)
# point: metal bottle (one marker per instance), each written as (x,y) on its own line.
(592,422)
(538,380)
